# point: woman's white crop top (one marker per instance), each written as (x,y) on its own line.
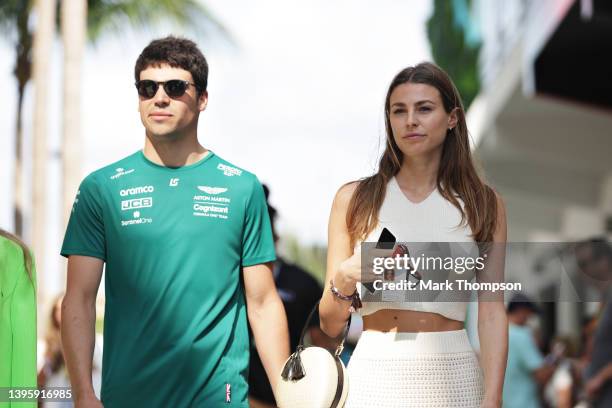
(432,220)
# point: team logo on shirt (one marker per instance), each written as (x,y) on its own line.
(120,171)
(229,170)
(136,203)
(211,204)
(136,190)
(212,190)
(137,220)
(211,211)
(76,200)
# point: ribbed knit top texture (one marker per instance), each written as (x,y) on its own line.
(434,219)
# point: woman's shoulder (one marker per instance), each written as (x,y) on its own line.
(11,254)
(345,193)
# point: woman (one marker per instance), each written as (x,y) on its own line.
(417,354)
(17,315)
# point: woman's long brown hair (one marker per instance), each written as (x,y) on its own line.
(27,257)
(456,175)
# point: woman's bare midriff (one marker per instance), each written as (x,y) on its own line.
(395,320)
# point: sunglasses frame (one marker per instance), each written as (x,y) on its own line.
(163,84)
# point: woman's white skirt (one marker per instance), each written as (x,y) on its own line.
(424,370)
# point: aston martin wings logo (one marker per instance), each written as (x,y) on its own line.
(212,190)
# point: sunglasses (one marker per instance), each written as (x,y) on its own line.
(174,88)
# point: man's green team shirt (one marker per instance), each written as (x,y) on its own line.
(174,241)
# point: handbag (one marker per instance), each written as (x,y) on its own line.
(313,377)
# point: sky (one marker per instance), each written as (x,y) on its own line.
(298,101)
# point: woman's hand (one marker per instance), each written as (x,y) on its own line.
(491,403)
(352,271)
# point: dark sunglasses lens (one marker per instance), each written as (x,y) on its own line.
(175,88)
(147,88)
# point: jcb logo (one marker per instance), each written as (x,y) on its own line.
(137,203)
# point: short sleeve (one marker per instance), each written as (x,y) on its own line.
(531,357)
(257,240)
(85,231)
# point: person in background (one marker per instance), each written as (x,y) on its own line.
(594,257)
(559,392)
(53,372)
(526,368)
(299,292)
(17,316)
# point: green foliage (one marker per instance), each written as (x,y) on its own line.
(114,16)
(10,10)
(451,50)
(312,258)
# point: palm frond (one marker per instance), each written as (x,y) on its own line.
(117,15)
(11,11)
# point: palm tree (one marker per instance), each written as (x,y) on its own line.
(76,24)
(41,52)
(14,17)
(102,16)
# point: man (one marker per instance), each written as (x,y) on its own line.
(594,258)
(186,239)
(526,368)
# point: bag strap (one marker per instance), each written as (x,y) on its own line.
(293,369)
(340,346)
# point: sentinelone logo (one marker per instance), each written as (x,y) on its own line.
(136,190)
(137,221)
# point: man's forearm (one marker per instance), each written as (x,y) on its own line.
(78,340)
(269,325)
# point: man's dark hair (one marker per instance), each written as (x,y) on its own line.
(520,301)
(176,52)
(271,212)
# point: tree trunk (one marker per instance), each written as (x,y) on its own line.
(18,175)
(74,33)
(22,72)
(41,56)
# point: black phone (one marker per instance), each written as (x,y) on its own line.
(385,241)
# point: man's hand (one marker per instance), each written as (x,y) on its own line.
(88,402)
(78,324)
(267,319)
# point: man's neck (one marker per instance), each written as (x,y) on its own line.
(174,152)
